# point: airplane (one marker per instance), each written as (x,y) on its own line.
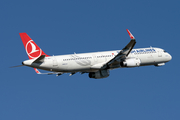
(96,64)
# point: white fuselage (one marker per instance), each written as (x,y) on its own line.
(92,62)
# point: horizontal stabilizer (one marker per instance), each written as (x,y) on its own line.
(40,59)
(49,73)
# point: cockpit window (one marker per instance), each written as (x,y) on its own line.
(165,51)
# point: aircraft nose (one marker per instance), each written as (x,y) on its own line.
(170,57)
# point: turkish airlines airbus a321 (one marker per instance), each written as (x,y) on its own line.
(96,64)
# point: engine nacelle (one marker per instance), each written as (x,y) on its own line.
(100,74)
(131,62)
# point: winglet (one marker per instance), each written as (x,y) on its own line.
(130,35)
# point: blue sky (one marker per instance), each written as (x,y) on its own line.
(67,26)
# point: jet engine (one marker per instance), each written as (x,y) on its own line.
(131,62)
(100,74)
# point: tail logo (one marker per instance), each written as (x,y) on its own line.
(32,49)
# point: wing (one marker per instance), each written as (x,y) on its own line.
(124,52)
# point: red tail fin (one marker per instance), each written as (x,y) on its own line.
(32,49)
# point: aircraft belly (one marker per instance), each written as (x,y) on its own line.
(78,67)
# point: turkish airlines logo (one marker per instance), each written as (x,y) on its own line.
(32,50)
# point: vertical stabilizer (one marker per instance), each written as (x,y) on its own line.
(32,49)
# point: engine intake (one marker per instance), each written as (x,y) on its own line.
(132,62)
